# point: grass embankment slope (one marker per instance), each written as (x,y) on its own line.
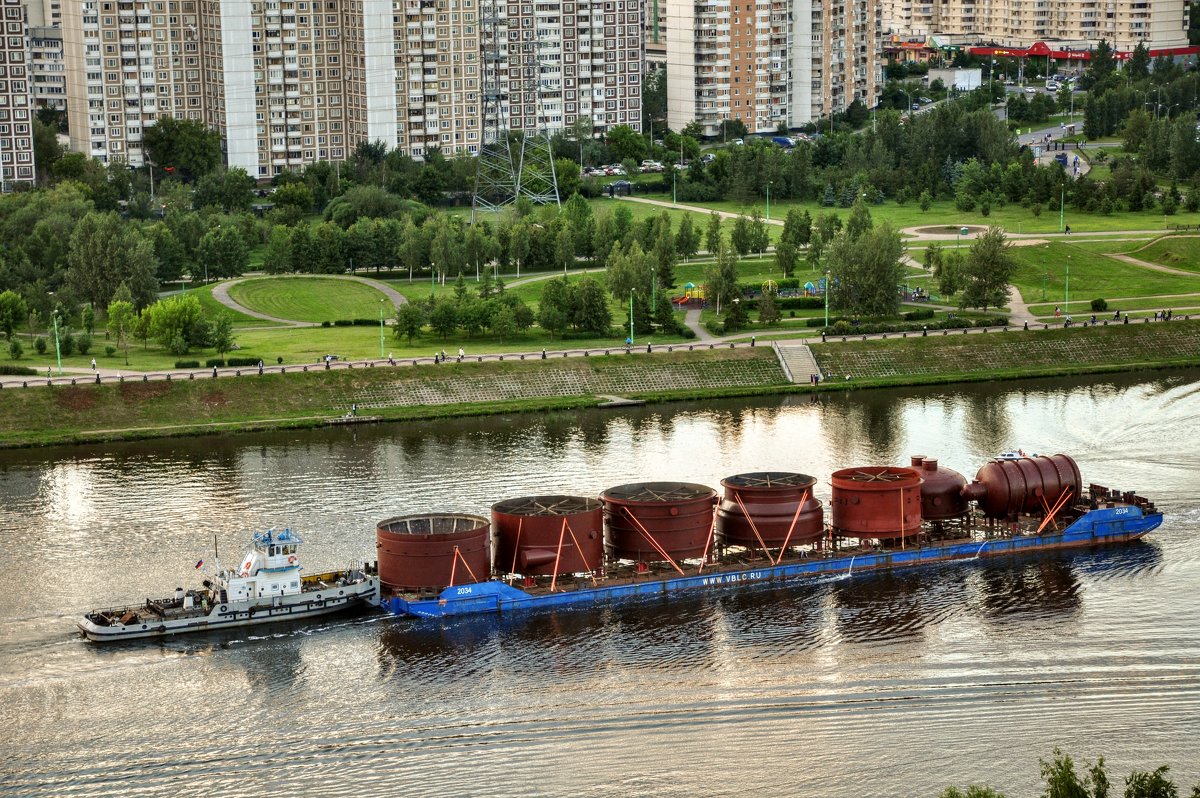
(997,356)
(88,413)
(136,409)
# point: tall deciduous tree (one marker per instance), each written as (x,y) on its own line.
(186,146)
(224,251)
(122,321)
(712,233)
(987,271)
(868,271)
(106,252)
(12,312)
(410,318)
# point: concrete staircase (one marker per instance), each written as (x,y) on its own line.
(797,361)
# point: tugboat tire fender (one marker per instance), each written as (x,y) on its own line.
(223,608)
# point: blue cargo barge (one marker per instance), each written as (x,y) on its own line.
(1103,525)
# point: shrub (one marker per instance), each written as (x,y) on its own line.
(1099,305)
(110,350)
(83,343)
(326,324)
(917,315)
(215,362)
(66,345)
(187,364)
(816,321)
(39,345)
(18,371)
(242,361)
(15,350)
(687,333)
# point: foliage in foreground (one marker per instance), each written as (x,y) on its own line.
(1062,781)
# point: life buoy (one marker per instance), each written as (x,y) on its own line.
(292,559)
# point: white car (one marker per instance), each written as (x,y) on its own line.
(1030,90)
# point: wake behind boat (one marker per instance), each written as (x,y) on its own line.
(268,586)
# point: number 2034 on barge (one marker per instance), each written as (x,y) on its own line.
(658,538)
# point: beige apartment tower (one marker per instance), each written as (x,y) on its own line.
(770,63)
(290,82)
(1160,24)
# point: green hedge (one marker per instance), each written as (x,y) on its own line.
(18,371)
(187,364)
(214,362)
(243,361)
(846,328)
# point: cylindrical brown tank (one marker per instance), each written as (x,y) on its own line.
(418,551)
(529,529)
(881,502)
(941,492)
(771,499)
(1011,486)
(677,515)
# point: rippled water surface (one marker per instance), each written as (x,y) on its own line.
(880,685)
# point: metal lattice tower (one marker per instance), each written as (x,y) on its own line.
(496,170)
(536,178)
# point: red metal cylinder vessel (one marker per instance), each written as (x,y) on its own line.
(678,516)
(771,499)
(881,502)
(529,531)
(1010,486)
(942,491)
(418,551)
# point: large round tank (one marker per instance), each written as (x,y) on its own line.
(1010,486)
(881,502)
(942,490)
(677,515)
(771,499)
(529,529)
(418,551)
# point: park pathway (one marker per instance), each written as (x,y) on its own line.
(220,293)
(1145,264)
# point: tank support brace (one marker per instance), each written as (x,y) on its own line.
(753,527)
(650,539)
(792,528)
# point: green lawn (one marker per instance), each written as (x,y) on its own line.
(1012,217)
(312,299)
(1174,251)
(1092,275)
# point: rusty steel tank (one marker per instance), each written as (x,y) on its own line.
(419,551)
(771,499)
(1009,486)
(529,530)
(882,502)
(942,490)
(677,516)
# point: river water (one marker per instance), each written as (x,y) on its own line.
(874,685)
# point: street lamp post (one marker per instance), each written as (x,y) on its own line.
(631,290)
(1045,274)
(57,349)
(381,329)
(828,285)
(768,202)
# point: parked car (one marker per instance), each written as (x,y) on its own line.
(924,100)
(708,157)
(1030,90)
(738,142)
(783,141)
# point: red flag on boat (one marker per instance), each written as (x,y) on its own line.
(199,563)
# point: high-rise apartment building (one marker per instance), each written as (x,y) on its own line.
(16,99)
(1160,24)
(47,68)
(770,62)
(290,82)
